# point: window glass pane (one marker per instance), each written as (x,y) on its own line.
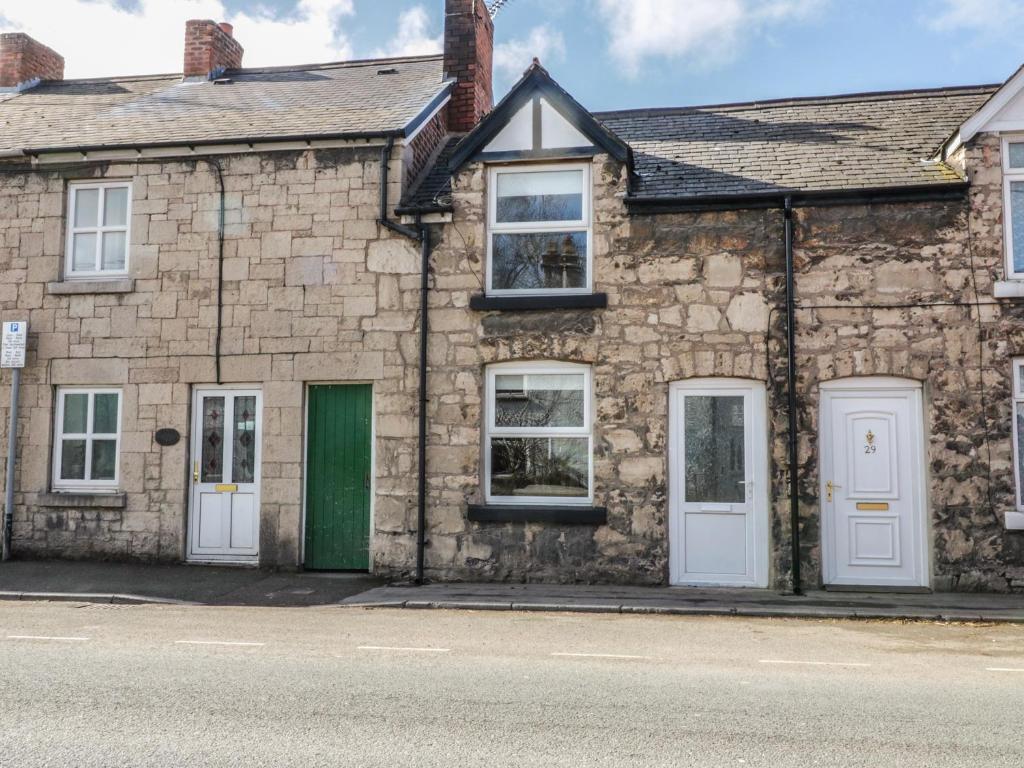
(87,207)
(113,250)
(115,207)
(714,453)
(539,400)
(540,466)
(539,260)
(212,470)
(540,196)
(83,257)
(1017,223)
(104,458)
(72,460)
(243,435)
(1017,155)
(76,408)
(104,414)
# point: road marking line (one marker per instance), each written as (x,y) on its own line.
(601,655)
(400,648)
(1004,669)
(816,663)
(46,637)
(216,642)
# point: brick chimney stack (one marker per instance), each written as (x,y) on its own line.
(210,48)
(468,55)
(24,60)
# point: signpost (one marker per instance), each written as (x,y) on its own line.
(12,355)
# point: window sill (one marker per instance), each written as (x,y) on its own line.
(75,287)
(1015,521)
(565,514)
(1008,289)
(83,499)
(526,303)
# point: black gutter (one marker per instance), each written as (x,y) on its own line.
(421,234)
(220,265)
(794,485)
(777,198)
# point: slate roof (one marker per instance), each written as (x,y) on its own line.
(327,99)
(859,141)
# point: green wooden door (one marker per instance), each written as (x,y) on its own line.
(338,477)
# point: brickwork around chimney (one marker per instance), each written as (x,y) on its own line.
(209,49)
(23,60)
(468,57)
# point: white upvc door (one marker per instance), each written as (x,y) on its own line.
(874,529)
(224,507)
(718,495)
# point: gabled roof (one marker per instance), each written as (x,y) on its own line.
(537,82)
(357,98)
(993,106)
(852,142)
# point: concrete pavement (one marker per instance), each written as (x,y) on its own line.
(119,685)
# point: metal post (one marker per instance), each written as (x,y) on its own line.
(12,457)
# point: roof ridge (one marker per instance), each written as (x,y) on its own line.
(864,96)
(253,70)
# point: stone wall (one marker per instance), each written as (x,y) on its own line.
(701,294)
(314,291)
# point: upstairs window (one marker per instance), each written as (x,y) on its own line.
(1013,194)
(539,229)
(98,229)
(538,434)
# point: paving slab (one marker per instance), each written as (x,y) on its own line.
(940,606)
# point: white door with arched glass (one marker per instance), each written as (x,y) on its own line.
(718,495)
(872,483)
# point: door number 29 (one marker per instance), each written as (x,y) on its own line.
(869,442)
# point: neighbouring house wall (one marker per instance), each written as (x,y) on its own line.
(314,291)
(692,295)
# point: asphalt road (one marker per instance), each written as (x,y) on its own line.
(114,685)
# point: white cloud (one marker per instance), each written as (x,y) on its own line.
(98,38)
(705,33)
(995,16)
(413,35)
(512,57)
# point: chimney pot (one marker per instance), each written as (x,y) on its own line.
(228,29)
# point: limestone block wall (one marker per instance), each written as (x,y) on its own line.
(314,291)
(701,294)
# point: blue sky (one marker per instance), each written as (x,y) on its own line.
(609,53)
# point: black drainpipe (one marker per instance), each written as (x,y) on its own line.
(422,234)
(794,501)
(220,265)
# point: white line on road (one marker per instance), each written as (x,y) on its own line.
(1004,669)
(601,655)
(400,648)
(216,642)
(816,663)
(47,637)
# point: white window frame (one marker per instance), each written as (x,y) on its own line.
(583,224)
(1017,368)
(89,435)
(1010,175)
(492,431)
(70,273)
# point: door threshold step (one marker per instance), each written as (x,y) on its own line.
(879,588)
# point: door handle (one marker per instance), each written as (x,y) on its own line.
(829,487)
(195,471)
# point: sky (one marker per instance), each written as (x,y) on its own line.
(610,54)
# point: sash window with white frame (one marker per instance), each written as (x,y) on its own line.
(1013,202)
(99,216)
(87,439)
(1018,430)
(538,445)
(539,230)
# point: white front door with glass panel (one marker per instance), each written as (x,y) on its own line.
(872,479)
(224,516)
(718,496)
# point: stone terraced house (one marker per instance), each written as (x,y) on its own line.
(354,316)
